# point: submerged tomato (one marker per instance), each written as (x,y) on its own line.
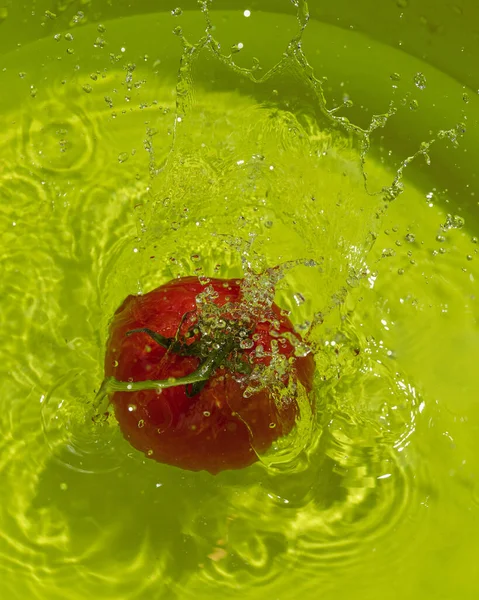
(212,424)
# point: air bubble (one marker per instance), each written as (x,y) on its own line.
(87,88)
(141,423)
(123,157)
(177,12)
(410,237)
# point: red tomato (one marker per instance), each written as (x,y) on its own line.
(210,425)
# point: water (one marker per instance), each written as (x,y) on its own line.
(259,174)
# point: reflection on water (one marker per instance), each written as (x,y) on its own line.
(390,460)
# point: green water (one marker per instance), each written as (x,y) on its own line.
(383,502)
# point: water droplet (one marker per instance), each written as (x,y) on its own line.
(77,18)
(299,299)
(246,344)
(420,81)
(87,88)
(388,252)
(453,222)
(413,105)
(123,157)
(177,12)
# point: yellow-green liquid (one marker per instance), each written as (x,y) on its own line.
(383,502)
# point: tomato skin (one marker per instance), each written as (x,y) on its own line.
(215,429)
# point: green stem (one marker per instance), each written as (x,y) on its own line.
(202,373)
(171,344)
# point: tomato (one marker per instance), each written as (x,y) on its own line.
(223,418)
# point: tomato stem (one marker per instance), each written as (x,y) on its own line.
(170,344)
(205,370)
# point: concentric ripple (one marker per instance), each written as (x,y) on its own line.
(79,438)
